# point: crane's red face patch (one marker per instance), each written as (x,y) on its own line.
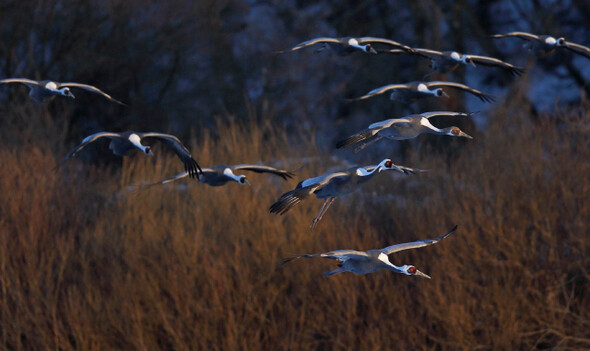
(368,48)
(412,270)
(456,131)
(388,163)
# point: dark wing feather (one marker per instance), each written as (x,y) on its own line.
(358,137)
(291,198)
(190,165)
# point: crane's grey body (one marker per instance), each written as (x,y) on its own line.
(347,45)
(448,61)
(221,174)
(365,262)
(332,185)
(543,45)
(122,143)
(403,128)
(412,91)
(42,91)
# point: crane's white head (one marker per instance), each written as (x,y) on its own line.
(369,49)
(466,59)
(386,164)
(455,131)
(411,270)
(65,91)
(243,180)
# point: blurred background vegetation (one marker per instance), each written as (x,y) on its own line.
(86,264)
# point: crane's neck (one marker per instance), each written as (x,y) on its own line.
(228,173)
(364,173)
(361,171)
(422,88)
(136,141)
(385,259)
(429,127)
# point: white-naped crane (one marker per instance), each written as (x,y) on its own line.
(44,90)
(448,61)
(407,127)
(332,185)
(348,45)
(122,143)
(543,45)
(221,174)
(413,91)
(365,262)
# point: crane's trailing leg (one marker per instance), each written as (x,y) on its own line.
(323,210)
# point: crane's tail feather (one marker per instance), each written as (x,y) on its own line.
(332,272)
(408,170)
(517,71)
(353,139)
(288,200)
(192,168)
(487,98)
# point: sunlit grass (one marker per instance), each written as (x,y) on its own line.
(86,264)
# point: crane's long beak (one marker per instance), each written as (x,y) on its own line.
(463,134)
(372,51)
(418,273)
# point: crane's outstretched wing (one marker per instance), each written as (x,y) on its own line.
(264,169)
(340,255)
(483,96)
(494,62)
(521,35)
(89,139)
(364,40)
(447,114)
(308,187)
(381,90)
(311,42)
(578,49)
(370,132)
(415,244)
(28,82)
(90,88)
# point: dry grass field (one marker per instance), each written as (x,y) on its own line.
(87,265)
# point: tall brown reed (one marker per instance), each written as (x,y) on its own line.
(86,264)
